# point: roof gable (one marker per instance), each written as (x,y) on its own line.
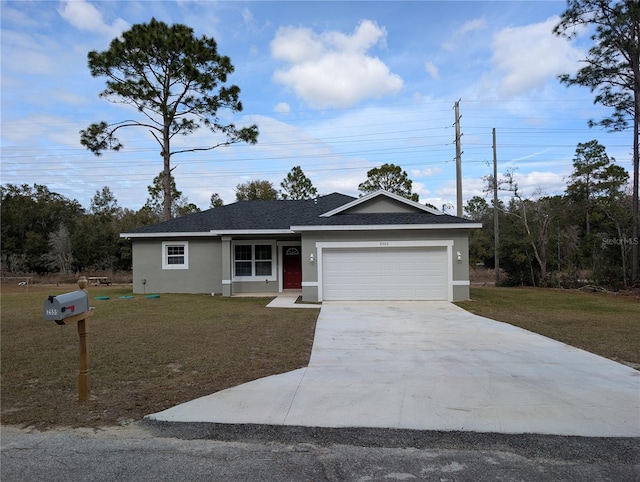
(381,202)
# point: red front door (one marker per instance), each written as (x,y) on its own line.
(292,268)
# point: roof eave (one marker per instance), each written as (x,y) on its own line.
(228,232)
(212,233)
(167,234)
(385,227)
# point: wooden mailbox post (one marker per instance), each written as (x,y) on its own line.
(59,312)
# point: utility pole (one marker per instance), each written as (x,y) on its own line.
(496,235)
(458,160)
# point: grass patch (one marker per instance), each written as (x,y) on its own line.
(145,355)
(605,324)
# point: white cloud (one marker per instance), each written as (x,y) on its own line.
(472,26)
(18,19)
(445,196)
(247,17)
(525,58)
(69,97)
(282,108)
(427,172)
(343,182)
(531,184)
(296,45)
(333,69)
(432,70)
(448,46)
(85,16)
(540,183)
(28,54)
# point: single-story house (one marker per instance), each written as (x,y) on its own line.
(336,247)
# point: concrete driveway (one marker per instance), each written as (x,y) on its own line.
(432,366)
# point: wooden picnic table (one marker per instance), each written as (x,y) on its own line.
(99,280)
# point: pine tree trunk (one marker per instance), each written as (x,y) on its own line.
(166,182)
(634,201)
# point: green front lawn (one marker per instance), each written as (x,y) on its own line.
(605,324)
(145,355)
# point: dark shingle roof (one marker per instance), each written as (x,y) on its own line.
(282,214)
(386,219)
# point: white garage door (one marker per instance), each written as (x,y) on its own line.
(384,274)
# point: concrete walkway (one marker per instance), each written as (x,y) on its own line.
(287,299)
(433,366)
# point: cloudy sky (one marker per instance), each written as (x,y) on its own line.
(335,87)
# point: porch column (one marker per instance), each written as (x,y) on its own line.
(226,266)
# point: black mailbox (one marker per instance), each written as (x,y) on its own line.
(59,307)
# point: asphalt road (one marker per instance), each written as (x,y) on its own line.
(148,451)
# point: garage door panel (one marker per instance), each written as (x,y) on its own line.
(385,274)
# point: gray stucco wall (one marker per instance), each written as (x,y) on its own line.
(382,205)
(461,268)
(460,238)
(240,287)
(204,274)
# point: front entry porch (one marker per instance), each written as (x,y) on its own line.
(253,265)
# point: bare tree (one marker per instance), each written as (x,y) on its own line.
(535,219)
(60,256)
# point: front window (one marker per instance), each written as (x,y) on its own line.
(175,255)
(244,260)
(253,261)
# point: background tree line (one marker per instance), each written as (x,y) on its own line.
(582,235)
(45,232)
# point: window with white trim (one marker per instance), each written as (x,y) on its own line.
(254,261)
(175,255)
